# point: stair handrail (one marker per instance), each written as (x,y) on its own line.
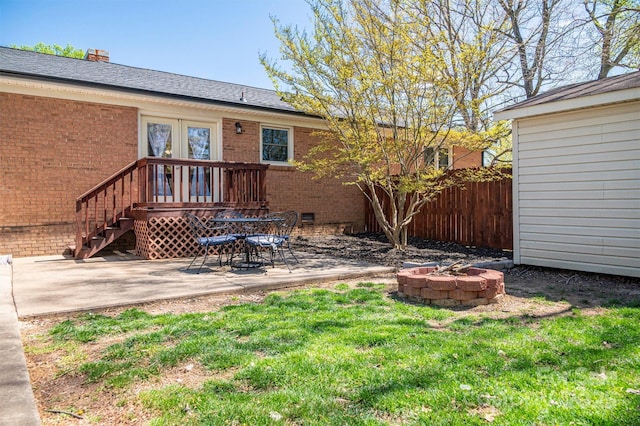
(83,231)
(110,180)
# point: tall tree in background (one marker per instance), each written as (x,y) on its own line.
(472,53)
(474,58)
(537,31)
(617,33)
(54,49)
(382,98)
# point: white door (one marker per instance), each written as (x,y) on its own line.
(175,138)
(159,139)
(201,182)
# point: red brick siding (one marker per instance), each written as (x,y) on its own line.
(463,158)
(241,147)
(337,208)
(52,151)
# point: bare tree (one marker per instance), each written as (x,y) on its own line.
(474,57)
(537,31)
(617,28)
(472,52)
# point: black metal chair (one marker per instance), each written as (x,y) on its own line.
(272,240)
(285,228)
(210,236)
(234,229)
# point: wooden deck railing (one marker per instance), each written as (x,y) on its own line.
(177,182)
(154,182)
(104,205)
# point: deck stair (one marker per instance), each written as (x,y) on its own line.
(103,239)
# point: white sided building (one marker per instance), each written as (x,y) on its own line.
(576,177)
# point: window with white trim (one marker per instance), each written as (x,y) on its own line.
(439,157)
(276,145)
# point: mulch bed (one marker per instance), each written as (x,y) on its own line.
(374,248)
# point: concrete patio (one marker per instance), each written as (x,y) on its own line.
(55,284)
(48,285)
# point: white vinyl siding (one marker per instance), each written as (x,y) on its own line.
(577,190)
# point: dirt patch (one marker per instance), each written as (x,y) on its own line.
(374,248)
(578,289)
(531,292)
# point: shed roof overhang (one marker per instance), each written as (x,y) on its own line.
(551,107)
(611,90)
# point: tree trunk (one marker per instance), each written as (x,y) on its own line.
(392,227)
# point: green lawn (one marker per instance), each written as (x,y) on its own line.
(355,356)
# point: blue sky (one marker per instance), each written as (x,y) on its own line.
(214,39)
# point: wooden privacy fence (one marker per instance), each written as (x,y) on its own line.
(480,214)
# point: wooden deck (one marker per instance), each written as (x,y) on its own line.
(152,194)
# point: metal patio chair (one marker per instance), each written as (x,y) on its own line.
(285,228)
(210,236)
(271,240)
(236,229)
(228,213)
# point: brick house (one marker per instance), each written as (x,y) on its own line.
(70,127)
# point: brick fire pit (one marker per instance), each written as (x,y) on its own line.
(476,287)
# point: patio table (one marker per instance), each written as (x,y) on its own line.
(244,227)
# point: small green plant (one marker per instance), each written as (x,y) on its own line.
(371,285)
(542,299)
(635,303)
(614,303)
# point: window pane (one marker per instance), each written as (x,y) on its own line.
(199,142)
(199,148)
(275,145)
(429,155)
(159,145)
(159,140)
(274,153)
(443,158)
(438,157)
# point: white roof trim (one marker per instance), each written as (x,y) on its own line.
(142,101)
(583,102)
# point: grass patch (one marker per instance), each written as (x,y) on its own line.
(354,356)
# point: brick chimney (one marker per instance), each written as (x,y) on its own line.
(97,55)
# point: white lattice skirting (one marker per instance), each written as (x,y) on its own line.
(167,238)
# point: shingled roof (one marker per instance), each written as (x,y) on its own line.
(579,90)
(107,75)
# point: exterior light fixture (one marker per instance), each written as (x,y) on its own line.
(238,127)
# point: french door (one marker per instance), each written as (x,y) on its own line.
(186,139)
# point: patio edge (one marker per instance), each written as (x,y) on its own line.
(18,403)
(226,290)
